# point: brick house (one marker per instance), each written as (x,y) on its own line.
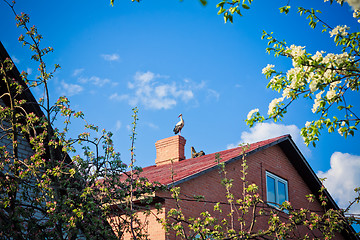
(275,165)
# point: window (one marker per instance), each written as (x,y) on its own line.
(277,189)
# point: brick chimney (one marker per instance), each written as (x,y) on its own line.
(170,149)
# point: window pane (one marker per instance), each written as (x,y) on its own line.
(270,184)
(282,192)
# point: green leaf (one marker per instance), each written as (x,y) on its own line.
(245,6)
(221,4)
(203,2)
(221,11)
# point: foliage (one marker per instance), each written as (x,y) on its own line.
(50,195)
(325,78)
(48,190)
(229,8)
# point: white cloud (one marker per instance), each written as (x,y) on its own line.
(118,97)
(118,125)
(162,91)
(263,131)
(94,80)
(70,89)
(15,60)
(342,178)
(151,125)
(212,94)
(144,78)
(77,72)
(110,57)
(29,71)
(185,95)
(150,91)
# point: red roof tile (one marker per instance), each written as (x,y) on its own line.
(189,168)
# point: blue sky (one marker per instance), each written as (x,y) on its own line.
(172,57)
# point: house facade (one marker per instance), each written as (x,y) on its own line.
(275,165)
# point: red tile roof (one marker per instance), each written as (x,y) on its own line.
(192,167)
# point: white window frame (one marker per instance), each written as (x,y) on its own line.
(277,179)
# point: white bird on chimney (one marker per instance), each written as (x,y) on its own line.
(179,125)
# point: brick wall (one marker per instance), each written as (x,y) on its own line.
(150,224)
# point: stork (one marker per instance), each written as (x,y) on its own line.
(179,125)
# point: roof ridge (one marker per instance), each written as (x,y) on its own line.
(241,146)
(251,147)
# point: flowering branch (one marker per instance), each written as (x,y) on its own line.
(326,78)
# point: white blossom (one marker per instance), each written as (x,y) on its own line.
(339,30)
(330,94)
(318,56)
(275,80)
(297,77)
(317,102)
(251,113)
(356,14)
(315,106)
(310,77)
(293,72)
(332,91)
(296,51)
(334,84)
(342,58)
(313,84)
(307,124)
(329,58)
(286,92)
(340,131)
(268,68)
(318,96)
(328,74)
(273,104)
